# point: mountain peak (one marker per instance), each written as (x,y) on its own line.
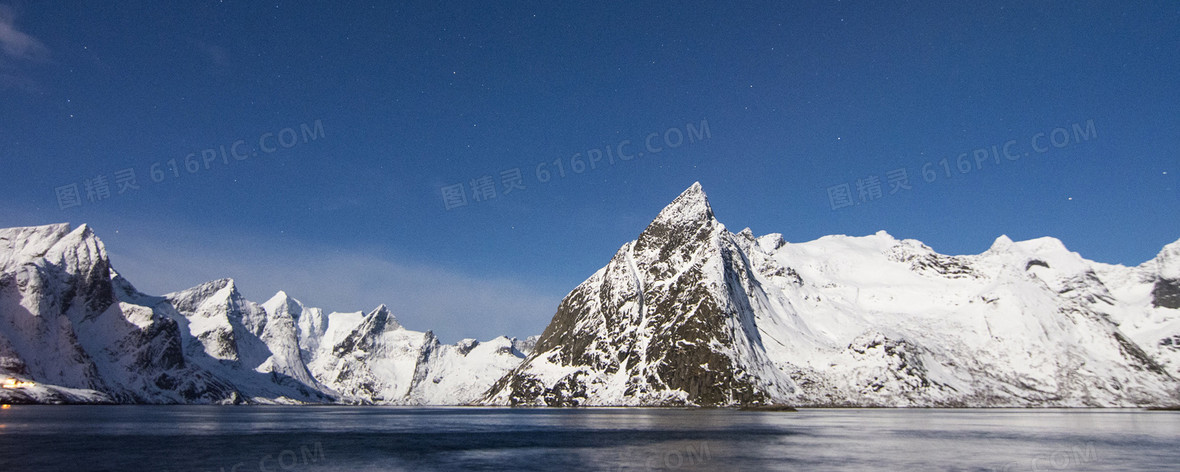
(689,217)
(1001,244)
(1168,261)
(57,242)
(691,205)
(281,302)
(380,320)
(694,193)
(1043,246)
(223,283)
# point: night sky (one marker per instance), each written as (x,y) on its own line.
(439,158)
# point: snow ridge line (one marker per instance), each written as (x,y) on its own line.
(635,274)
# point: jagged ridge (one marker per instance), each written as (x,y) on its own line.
(72,325)
(690,313)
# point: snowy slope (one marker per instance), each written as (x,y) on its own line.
(371,358)
(81,333)
(255,348)
(691,313)
(71,324)
(1146,304)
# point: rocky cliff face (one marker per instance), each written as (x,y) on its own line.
(667,321)
(1165,291)
(690,313)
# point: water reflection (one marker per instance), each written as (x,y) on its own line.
(376,438)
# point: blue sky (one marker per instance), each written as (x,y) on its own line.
(350,119)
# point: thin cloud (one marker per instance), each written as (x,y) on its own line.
(16,45)
(423,297)
(16,50)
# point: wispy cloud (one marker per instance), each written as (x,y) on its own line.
(16,49)
(452,304)
(15,44)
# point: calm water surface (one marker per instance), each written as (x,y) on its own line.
(253,439)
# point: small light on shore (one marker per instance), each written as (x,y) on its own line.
(11,383)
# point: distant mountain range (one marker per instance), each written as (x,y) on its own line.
(73,326)
(687,314)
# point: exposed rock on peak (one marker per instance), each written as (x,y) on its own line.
(688,211)
(691,314)
(1165,293)
(380,320)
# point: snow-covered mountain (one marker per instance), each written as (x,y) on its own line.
(81,333)
(691,313)
(687,314)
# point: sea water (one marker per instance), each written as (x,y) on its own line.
(279,438)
